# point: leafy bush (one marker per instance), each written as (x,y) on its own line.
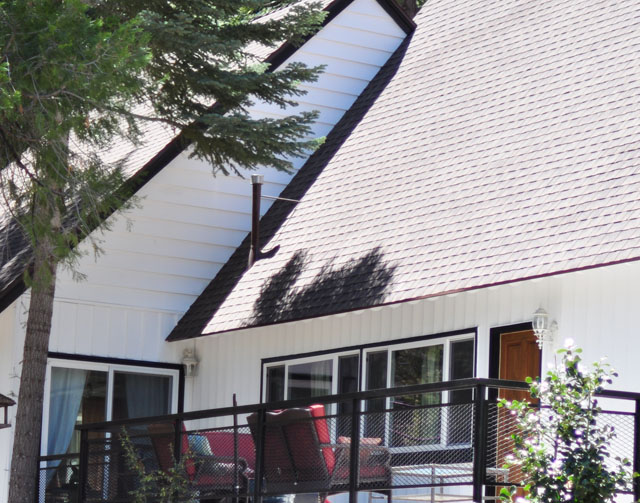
(158,486)
(562,447)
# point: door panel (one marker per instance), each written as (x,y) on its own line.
(519,358)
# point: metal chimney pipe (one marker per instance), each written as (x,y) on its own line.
(256,181)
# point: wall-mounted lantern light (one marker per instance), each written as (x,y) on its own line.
(542,328)
(190,362)
(5,403)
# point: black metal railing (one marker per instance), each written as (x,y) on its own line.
(422,441)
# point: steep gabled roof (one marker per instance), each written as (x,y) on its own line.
(159,146)
(501,144)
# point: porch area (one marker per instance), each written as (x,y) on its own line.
(440,442)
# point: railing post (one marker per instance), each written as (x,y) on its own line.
(257,481)
(177,440)
(636,451)
(236,475)
(354,457)
(83,467)
(479,443)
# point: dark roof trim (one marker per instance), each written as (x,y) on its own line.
(398,15)
(5,401)
(175,147)
(12,292)
(430,296)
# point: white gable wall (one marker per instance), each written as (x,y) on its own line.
(597,308)
(8,350)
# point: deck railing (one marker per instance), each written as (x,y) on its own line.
(436,442)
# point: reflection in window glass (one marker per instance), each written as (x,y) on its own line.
(460,416)
(413,423)
(376,379)
(347,383)
(275,383)
(310,379)
(140,395)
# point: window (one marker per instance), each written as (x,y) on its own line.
(416,419)
(84,392)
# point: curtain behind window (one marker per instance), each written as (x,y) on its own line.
(67,388)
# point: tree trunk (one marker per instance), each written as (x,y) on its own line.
(28,421)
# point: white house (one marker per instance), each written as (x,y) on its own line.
(477,169)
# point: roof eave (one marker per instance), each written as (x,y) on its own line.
(417,298)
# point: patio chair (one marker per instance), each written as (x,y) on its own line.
(212,476)
(299,456)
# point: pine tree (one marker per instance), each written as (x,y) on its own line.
(77,75)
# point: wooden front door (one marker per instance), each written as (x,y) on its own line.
(519,358)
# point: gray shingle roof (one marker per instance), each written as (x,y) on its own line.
(505,146)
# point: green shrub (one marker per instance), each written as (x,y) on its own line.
(562,446)
(157,486)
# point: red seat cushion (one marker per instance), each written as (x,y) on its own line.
(322,430)
(221,443)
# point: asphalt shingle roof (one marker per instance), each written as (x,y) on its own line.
(502,143)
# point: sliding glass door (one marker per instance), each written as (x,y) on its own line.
(79,392)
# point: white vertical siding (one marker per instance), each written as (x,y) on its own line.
(9,355)
(597,308)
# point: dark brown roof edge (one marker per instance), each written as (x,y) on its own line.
(6,401)
(430,296)
(177,145)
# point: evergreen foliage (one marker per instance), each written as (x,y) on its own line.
(562,447)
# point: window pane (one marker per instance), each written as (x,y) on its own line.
(77,397)
(139,395)
(347,383)
(348,373)
(462,359)
(310,379)
(275,383)
(460,416)
(376,379)
(413,424)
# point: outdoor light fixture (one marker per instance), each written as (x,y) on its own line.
(542,328)
(190,362)
(5,403)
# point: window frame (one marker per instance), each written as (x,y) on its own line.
(445,339)
(110,368)
(334,357)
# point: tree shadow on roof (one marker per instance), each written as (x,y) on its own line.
(357,284)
